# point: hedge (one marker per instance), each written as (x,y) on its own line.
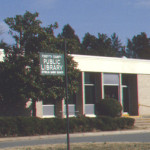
(27,126)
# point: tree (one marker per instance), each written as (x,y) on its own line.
(25,30)
(23,63)
(13,96)
(102,45)
(116,46)
(139,46)
(68,33)
(89,44)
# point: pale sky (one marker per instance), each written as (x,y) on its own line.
(124,17)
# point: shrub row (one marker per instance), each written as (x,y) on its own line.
(23,126)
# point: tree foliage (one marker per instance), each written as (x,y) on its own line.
(139,46)
(68,33)
(102,45)
(23,81)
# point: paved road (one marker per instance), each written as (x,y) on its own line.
(125,136)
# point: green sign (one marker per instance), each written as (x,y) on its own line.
(52,64)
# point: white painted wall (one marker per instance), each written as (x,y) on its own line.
(2,55)
(111,64)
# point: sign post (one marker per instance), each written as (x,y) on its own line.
(53,64)
(67,110)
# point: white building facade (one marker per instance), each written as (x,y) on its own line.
(126,80)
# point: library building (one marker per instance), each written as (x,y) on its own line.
(124,79)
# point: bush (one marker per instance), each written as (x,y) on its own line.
(80,124)
(48,126)
(108,107)
(109,123)
(98,124)
(8,126)
(60,125)
(26,126)
(124,123)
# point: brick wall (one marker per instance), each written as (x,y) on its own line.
(39,109)
(59,112)
(79,98)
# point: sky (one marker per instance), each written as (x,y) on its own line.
(126,18)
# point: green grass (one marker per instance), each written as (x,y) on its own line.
(89,146)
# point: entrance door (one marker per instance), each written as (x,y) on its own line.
(125,99)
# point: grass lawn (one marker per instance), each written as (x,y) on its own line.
(89,146)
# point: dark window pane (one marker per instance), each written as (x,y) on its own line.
(89,95)
(89,78)
(111,92)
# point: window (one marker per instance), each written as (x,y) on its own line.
(111,85)
(89,88)
(111,79)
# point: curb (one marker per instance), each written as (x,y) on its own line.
(102,133)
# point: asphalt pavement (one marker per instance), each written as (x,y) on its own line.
(131,135)
(73,135)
